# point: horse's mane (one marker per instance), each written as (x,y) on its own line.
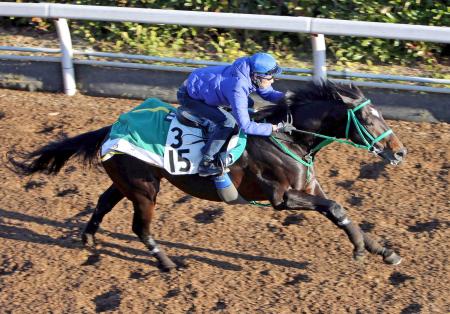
(313,92)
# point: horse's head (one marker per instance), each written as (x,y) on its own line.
(367,127)
(338,110)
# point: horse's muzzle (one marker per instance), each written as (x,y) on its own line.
(394,158)
(400,155)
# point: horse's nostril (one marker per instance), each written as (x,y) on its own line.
(400,154)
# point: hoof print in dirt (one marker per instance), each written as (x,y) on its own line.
(298,278)
(366,226)
(412,309)
(294,219)
(208,215)
(355,200)
(108,301)
(7,268)
(220,305)
(46,129)
(372,171)
(67,192)
(333,173)
(140,274)
(92,259)
(183,199)
(426,226)
(346,184)
(70,169)
(33,185)
(172,293)
(398,278)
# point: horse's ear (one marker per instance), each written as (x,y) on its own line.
(350,95)
(347,100)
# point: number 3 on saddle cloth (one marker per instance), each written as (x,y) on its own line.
(156,133)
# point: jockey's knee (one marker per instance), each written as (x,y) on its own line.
(229,123)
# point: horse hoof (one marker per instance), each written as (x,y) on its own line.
(359,256)
(393,259)
(88,240)
(167,267)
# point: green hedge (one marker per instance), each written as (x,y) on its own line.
(226,44)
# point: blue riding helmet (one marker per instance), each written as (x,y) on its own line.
(263,64)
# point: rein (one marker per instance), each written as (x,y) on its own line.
(308,159)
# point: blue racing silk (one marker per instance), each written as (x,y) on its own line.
(230,86)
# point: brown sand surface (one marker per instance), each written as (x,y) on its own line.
(237,259)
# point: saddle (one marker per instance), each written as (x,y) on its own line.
(161,135)
(207,126)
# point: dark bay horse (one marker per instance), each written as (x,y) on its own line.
(277,169)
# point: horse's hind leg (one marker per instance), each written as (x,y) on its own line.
(144,210)
(139,182)
(105,204)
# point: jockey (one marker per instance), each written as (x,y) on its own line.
(209,89)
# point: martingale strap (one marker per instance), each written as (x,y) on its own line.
(308,163)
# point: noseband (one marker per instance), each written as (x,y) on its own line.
(365,135)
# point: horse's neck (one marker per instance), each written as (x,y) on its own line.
(321,118)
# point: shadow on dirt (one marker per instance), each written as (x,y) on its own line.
(8,267)
(294,219)
(208,215)
(298,278)
(108,301)
(32,184)
(373,170)
(74,225)
(428,226)
(346,184)
(398,278)
(366,226)
(413,308)
(184,199)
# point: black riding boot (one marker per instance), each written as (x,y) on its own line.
(208,167)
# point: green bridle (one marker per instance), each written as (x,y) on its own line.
(368,139)
(308,160)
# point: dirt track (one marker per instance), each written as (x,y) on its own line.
(240,259)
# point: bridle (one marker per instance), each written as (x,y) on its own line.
(367,138)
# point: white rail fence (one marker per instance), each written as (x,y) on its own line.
(318,28)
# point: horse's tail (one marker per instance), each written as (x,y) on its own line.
(52,157)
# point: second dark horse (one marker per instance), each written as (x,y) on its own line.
(264,172)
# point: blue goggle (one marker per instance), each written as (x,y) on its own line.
(276,70)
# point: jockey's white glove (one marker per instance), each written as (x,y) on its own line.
(283,127)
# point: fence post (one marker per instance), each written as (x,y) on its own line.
(319,57)
(65,43)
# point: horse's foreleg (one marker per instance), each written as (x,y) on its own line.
(389,256)
(295,200)
(144,210)
(105,204)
